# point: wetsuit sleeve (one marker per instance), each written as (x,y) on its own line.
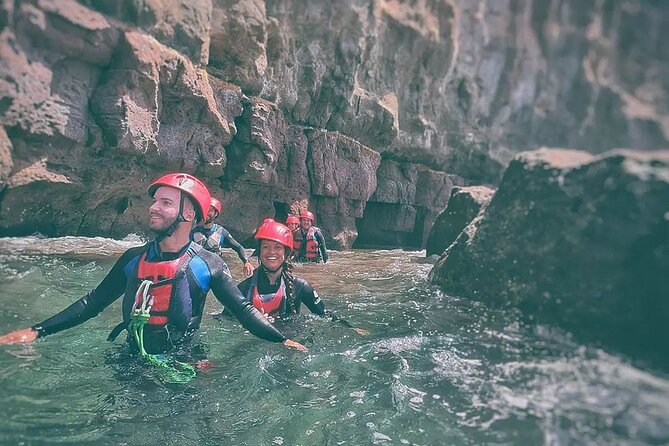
(92,304)
(230,242)
(228,294)
(309,297)
(244,286)
(318,235)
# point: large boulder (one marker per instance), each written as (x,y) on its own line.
(464,204)
(578,240)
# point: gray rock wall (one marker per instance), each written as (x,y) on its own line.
(299,103)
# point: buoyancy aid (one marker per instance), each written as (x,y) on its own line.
(312,252)
(266,303)
(297,240)
(214,241)
(162,276)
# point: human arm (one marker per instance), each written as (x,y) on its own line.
(87,307)
(230,242)
(318,235)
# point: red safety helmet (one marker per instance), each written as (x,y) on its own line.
(307,215)
(292,219)
(214,203)
(271,230)
(188,184)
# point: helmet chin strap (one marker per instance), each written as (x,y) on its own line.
(210,220)
(167,232)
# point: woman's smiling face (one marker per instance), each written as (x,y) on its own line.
(272,254)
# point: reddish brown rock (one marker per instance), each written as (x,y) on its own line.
(183,25)
(6,162)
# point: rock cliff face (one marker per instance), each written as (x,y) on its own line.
(366,111)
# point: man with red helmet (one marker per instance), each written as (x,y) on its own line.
(213,237)
(174,274)
(272,288)
(309,241)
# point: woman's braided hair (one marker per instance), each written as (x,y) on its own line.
(288,280)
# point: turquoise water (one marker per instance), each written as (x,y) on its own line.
(435,369)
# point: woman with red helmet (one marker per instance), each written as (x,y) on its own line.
(293,222)
(213,237)
(309,241)
(170,275)
(272,288)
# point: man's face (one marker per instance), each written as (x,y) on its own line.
(305,222)
(293,226)
(165,208)
(212,214)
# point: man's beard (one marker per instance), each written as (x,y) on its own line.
(164,227)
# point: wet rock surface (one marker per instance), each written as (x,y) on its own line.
(463,205)
(576,239)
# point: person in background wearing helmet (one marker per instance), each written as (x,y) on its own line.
(173,272)
(213,237)
(293,222)
(272,288)
(309,241)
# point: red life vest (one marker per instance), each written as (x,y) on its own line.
(297,240)
(312,253)
(267,303)
(162,275)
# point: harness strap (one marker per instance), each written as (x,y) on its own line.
(192,251)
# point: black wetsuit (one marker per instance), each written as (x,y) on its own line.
(203,272)
(303,292)
(217,237)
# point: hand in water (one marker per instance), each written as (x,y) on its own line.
(293,344)
(248,269)
(361,331)
(26,335)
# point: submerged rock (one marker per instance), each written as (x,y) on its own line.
(575,239)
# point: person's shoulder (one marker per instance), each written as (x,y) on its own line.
(135,251)
(209,257)
(224,231)
(301,282)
